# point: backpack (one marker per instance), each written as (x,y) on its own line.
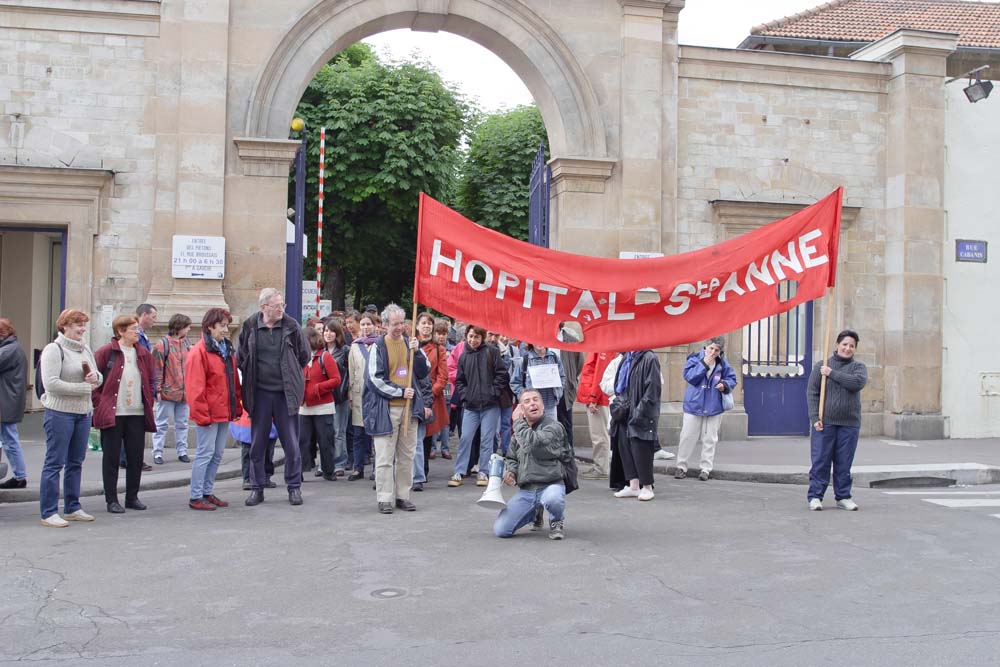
(39,385)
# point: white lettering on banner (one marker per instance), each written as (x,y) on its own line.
(801,252)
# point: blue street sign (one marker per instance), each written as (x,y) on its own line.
(970,251)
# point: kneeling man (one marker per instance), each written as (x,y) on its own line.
(534,462)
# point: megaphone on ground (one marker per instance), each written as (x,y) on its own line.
(492,498)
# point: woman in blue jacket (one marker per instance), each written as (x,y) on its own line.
(709,376)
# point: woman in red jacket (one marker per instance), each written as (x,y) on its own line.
(318,409)
(212,389)
(123,409)
(590,394)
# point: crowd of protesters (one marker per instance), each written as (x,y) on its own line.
(374,392)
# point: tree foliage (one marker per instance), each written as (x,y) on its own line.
(493,185)
(393,129)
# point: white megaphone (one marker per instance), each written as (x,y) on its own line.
(492,498)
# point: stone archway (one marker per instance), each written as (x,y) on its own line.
(517,35)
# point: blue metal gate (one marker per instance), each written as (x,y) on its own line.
(538,200)
(777,360)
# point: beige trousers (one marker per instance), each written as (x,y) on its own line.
(694,428)
(395,450)
(598,423)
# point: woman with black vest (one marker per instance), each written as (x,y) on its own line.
(834,438)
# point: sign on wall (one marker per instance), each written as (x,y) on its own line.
(967,250)
(201,257)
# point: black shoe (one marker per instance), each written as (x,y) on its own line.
(294,496)
(371,477)
(122,466)
(355,476)
(135,504)
(14,483)
(115,508)
(270,485)
(330,478)
(183,458)
(385,508)
(405,505)
(419,486)
(246,486)
(256,497)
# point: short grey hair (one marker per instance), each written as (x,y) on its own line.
(266,295)
(718,340)
(390,310)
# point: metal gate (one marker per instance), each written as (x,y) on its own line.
(777,360)
(538,200)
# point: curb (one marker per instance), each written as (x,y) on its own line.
(167,480)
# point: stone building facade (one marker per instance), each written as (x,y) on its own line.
(126,122)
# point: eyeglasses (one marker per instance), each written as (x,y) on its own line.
(276,306)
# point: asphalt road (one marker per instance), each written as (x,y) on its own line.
(714,573)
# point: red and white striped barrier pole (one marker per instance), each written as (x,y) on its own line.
(319,220)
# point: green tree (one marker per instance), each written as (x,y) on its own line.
(493,185)
(392,130)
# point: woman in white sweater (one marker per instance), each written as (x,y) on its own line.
(69,375)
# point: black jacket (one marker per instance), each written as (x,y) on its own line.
(644,387)
(481,377)
(13,380)
(295,354)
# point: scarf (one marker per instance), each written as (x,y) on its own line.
(623,372)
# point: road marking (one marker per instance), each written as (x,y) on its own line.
(931,492)
(995,516)
(964,502)
(898,443)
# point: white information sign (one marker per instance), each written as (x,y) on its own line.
(544,376)
(309,294)
(201,257)
(645,294)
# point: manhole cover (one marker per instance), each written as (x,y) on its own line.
(388,593)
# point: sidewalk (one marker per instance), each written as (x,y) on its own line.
(879,461)
(172,473)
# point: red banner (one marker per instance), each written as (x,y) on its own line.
(485,278)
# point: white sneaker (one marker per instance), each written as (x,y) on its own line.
(663,455)
(54,521)
(79,515)
(475,469)
(847,504)
(627,492)
(815,504)
(646,494)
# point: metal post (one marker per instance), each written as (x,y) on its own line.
(293,288)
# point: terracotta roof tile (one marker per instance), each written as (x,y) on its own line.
(977,23)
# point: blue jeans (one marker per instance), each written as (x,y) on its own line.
(443,437)
(362,446)
(506,428)
(66,436)
(520,510)
(11,442)
(833,445)
(418,456)
(487,422)
(342,421)
(208,456)
(165,412)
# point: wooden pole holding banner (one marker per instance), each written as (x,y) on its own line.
(409,376)
(826,350)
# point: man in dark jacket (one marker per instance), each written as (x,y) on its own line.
(481,378)
(638,385)
(13,395)
(534,462)
(272,352)
(388,387)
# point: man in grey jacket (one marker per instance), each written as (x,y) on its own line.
(535,463)
(271,354)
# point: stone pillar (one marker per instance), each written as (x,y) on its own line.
(580,203)
(190,117)
(914,233)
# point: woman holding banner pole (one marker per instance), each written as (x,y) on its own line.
(836,421)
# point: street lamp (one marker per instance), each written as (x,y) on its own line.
(977,91)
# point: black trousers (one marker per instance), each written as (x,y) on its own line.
(637,457)
(128,434)
(316,428)
(268,460)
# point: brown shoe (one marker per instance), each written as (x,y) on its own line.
(446,455)
(201,504)
(218,502)
(433,455)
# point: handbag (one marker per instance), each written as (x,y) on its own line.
(619,409)
(569,475)
(728,402)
